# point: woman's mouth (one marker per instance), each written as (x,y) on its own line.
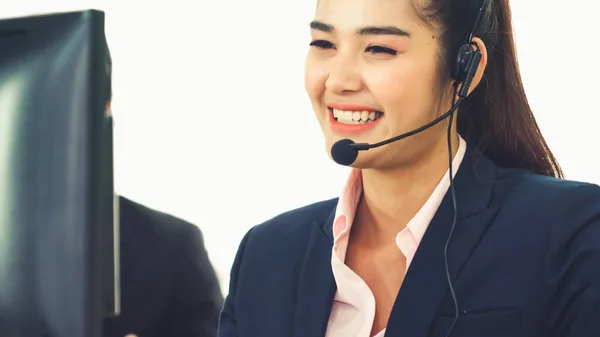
(353,120)
(355,117)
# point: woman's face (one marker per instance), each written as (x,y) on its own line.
(371,74)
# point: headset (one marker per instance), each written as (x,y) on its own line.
(345,151)
(465,68)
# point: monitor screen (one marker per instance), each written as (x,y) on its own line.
(58,234)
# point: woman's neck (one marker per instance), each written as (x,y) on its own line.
(391,198)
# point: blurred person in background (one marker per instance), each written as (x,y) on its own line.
(168,285)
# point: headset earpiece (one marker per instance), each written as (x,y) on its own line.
(467,64)
(467,57)
(463,56)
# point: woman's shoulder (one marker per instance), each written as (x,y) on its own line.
(297,221)
(545,187)
(284,238)
(553,199)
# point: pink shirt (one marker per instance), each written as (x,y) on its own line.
(353,310)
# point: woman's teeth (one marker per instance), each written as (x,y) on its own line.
(355,117)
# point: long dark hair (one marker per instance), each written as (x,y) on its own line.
(496,116)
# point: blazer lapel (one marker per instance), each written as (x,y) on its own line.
(426,285)
(316,288)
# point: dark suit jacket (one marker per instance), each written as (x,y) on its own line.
(168,285)
(524,260)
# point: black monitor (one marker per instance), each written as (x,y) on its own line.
(58,221)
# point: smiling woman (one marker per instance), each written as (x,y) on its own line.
(462,229)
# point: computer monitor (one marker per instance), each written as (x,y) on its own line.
(58,234)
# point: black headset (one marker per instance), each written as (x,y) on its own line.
(345,151)
(467,62)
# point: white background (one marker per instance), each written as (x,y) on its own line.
(213,124)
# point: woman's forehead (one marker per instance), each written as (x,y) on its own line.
(367,12)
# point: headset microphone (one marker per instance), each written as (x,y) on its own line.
(345,151)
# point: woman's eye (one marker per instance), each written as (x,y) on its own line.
(321,44)
(381,50)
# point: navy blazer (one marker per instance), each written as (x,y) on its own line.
(524,260)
